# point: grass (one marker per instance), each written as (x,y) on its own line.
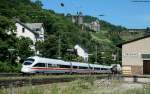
(75,87)
(144,90)
(129,36)
(99,36)
(81,86)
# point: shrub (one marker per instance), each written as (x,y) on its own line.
(8,67)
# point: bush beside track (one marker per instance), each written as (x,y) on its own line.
(10,67)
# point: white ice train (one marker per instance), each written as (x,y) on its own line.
(37,64)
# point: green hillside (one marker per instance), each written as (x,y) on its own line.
(59,30)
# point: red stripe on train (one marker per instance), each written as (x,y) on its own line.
(60,69)
(51,68)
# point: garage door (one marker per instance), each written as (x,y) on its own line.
(146,66)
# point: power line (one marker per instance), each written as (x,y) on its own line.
(141,1)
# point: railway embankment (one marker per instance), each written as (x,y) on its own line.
(89,85)
(6,82)
(42,79)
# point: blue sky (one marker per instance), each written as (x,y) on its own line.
(118,12)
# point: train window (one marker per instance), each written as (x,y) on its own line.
(39,65)
(50,65)
(54,66)
(64,66)
(91,67)
(75,67)
(80,67)
(96,68)
(104,69)
(27,63)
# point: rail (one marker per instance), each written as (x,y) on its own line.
(10,74)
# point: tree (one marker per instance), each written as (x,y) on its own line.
(3,50)
(5,39)
(49,47)
(38,3)
(24,47)
(6,25)
(147,31)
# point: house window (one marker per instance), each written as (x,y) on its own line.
(145,56)
(23,30)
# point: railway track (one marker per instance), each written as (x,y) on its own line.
(26,82)
(7,82)
(10,74)
(19,81)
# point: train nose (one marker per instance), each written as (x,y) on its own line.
(25,69)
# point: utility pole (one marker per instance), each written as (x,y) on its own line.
(59,48)
(96,54)
(11,54)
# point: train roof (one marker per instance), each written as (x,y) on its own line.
(106,66)
(95,65)
(80,64)
(99,66)
(48,60)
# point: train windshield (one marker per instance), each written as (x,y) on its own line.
(28,61)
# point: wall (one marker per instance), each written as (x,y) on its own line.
(131,54)
(41,35)
(27,33)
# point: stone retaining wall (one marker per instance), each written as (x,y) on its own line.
(137,70)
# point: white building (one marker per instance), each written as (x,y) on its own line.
(81,52)
(34,31)
(136,56)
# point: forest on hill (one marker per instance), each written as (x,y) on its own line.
(59,32)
